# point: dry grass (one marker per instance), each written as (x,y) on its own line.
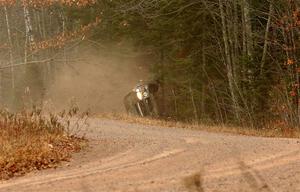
(32,141)
(268,131)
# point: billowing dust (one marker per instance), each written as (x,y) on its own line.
(96,80)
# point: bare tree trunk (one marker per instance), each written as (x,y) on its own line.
(1,87)
(203,85)
(248,28)
(32,72)
(29,39)
(230,26)
(162,76)
(289,102)
(63,20)
(43,23)
(193,101)
(266,44)
(28,25)
(228,62)
(10,49)
(236,28)
(175,103)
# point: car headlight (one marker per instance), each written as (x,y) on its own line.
(146,94)
(139,95)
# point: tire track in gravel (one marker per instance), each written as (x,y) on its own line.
(90,169)
(258,164)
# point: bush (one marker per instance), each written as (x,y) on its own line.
(34,141)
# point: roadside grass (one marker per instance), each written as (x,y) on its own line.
(33,141)
(267,131)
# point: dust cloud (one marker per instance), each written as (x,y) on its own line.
(97,80)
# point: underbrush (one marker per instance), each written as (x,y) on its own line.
(34,141)
(267,131)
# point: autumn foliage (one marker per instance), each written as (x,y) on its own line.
(61,39)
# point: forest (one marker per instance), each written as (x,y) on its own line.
(217,61)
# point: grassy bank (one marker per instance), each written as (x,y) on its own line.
(32,141)
(267,131)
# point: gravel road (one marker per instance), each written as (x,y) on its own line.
(128,157)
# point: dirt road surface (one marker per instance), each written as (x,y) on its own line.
(127,157)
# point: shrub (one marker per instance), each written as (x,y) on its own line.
(31,140)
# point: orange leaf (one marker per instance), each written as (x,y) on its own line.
(290,62)
(293,93)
